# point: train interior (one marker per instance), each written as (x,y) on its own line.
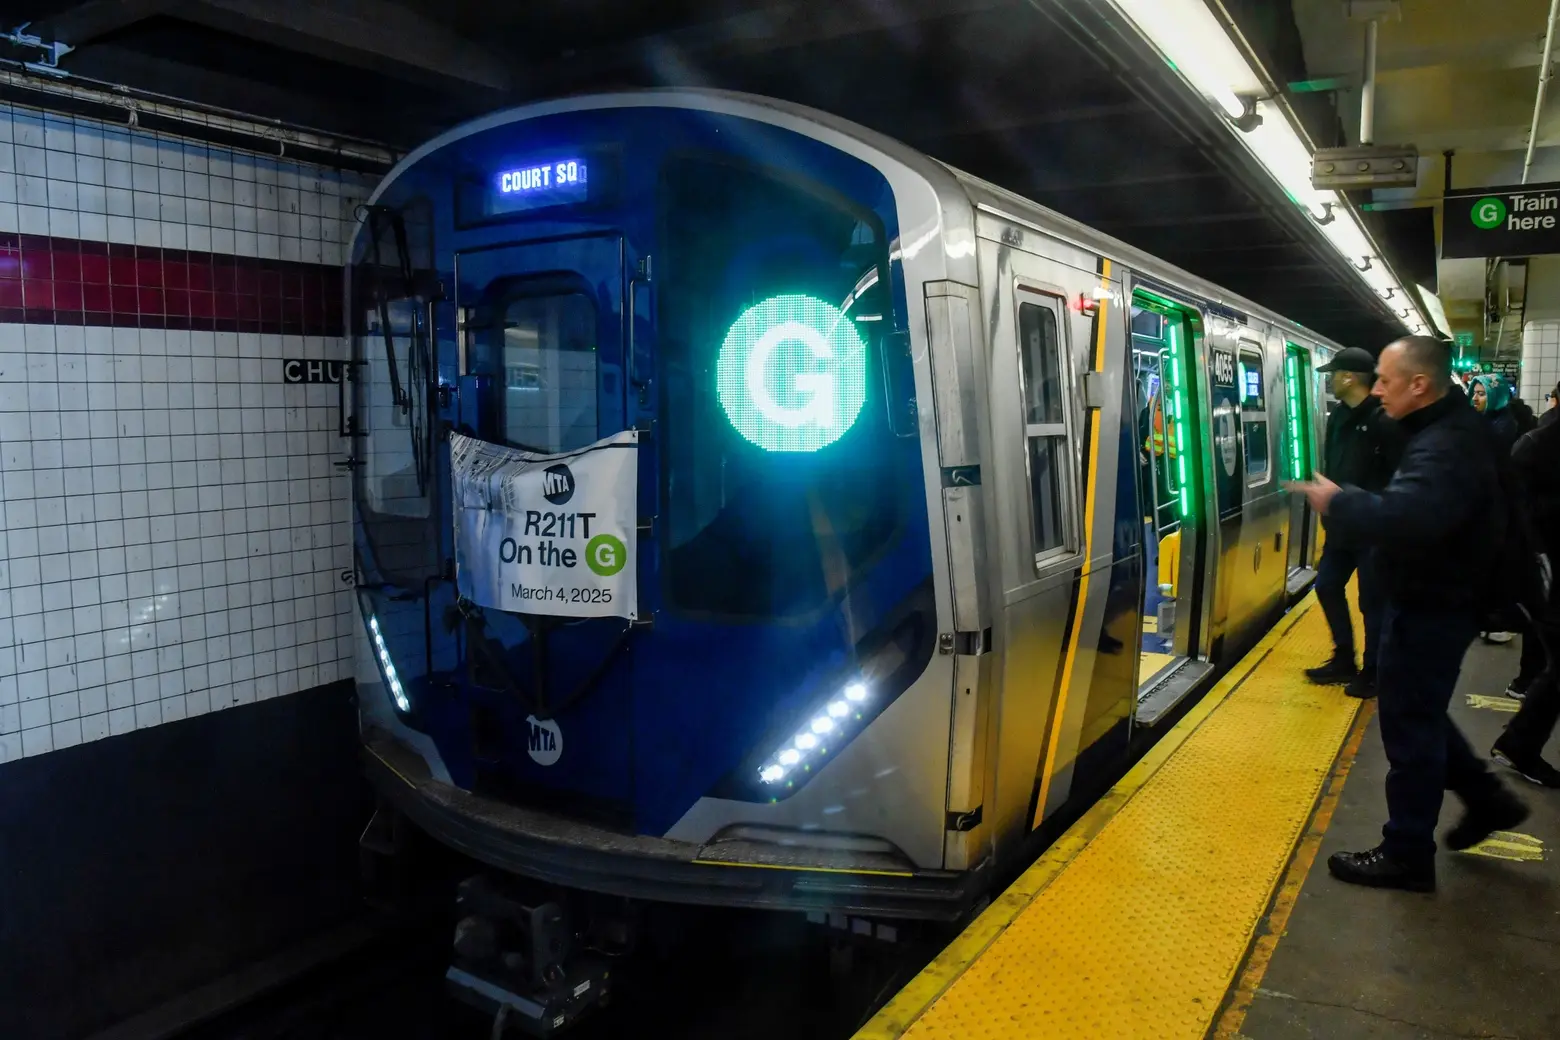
(1162,336)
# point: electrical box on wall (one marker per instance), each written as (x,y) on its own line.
(1370,166)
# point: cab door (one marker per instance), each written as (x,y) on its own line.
(543,369)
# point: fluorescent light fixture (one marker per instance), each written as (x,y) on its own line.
(840,715)
(1192,40)
(392,680)
(1435,310)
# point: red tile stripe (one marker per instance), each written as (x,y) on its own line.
(66,281)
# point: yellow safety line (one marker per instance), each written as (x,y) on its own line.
(1070,655)
(1142,934)
(807,870)
(1289,892)
(911,1002)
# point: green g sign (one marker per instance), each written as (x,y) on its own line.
(1489,213)
(792,374)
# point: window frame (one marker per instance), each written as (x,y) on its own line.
(1052,298)
(1244,351)
(558,290)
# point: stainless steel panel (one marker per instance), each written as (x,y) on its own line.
(956,397)
(963,517)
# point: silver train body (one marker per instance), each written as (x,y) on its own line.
(1102,443)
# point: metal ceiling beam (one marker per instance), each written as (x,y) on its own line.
(94,19)
(371,34)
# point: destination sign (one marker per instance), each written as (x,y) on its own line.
(1511,220)
(534,185)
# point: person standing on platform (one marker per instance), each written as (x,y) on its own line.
(1536,461)
(1445,496)
(1363,445)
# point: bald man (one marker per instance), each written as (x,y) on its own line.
(1443,498)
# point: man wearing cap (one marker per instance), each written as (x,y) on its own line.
(1363,448)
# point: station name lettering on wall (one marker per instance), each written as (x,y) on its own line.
(1513,220)
(302,370)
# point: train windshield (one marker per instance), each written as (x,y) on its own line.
(779,465)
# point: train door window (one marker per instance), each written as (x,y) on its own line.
(1045,424)
(1253,416)
(549,372)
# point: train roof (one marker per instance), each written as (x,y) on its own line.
(947,182)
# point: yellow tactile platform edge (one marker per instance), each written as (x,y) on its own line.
(1134,924)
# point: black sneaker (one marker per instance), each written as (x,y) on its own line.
(1363,686)
(1379,869)
(1337,671)
(1517,691)
(1497,813)
(1531,768)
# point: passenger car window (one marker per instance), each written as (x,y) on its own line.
(1045,429)
(549,359)
(1253,416)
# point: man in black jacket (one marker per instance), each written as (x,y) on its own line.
(1536,462)
(1363,446)
(1444,497)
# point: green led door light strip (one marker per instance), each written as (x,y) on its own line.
(1298,444)
(1178,400)
(792,374)
(1175,401)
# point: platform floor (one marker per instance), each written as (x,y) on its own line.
(1194,899)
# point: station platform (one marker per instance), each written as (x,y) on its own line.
(1194,899)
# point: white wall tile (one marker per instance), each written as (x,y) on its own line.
(161,495)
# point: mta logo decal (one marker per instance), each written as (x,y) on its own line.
(557,484)
(544,741)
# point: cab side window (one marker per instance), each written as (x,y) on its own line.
(1045,425)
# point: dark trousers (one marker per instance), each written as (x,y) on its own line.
(1338,562)
(1534,660)
(1534,724)
(1421,656)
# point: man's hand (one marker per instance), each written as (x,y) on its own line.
(1319,492)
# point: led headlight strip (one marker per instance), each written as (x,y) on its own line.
(392,680)
(834,725)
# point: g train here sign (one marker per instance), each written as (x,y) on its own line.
(1516,220)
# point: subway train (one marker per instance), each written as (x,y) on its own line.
(932,503)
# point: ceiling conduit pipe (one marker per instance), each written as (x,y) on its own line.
(1543,86)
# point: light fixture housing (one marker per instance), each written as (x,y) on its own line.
(1191,39)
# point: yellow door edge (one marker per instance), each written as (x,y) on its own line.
(911,1002)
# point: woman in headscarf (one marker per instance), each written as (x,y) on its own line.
(1492,396)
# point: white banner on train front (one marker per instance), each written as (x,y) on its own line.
(548,534)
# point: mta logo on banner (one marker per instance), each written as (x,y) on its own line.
(557,484)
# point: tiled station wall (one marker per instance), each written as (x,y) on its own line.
(1540,362)
(174,529)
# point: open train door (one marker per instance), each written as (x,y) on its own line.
(1171,492)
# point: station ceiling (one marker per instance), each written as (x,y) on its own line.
(1053,99)
(1453,75)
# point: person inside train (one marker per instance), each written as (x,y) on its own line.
(1445,495)
(1363,445)
(1536,464)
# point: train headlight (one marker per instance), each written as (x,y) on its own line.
(838,720)
(392,680)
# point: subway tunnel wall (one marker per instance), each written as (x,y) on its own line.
(178,792)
